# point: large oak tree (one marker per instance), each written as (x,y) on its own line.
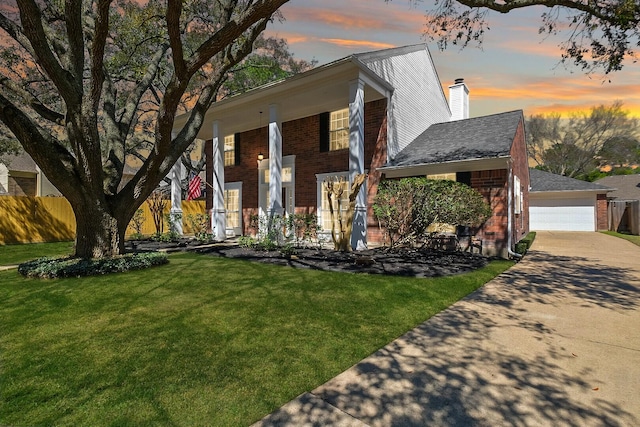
(82,80)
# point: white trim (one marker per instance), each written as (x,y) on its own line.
(234,186)
(218,214)
(263,187)
(517,189)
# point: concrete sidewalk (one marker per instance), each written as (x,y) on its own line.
(554,341)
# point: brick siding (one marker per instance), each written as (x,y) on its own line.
(602,219)
(301,138)
(520,168)
(492,184)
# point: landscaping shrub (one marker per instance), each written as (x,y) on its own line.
(405,208)
(525,243)
(304,229)
(51,268)
(199,224)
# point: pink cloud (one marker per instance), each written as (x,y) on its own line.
(384,17)
(358,43)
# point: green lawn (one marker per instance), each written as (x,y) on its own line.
(15,254)
(630,237)
(201,341)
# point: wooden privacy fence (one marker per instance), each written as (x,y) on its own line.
(51,219)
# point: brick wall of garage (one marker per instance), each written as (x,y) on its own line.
(602,220)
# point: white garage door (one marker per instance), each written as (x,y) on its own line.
(562,214)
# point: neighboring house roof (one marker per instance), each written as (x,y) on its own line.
(470,139)
(542,181)
(21,163)
(625,187)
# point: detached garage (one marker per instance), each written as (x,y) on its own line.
(565,204)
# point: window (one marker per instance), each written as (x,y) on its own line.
(517,195)
(443,176)
(325,212)
(286,177)
(232,207)
(229,150)
(339,130)
(440,227)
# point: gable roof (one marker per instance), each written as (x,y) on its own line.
(469,139)
(542,181)
(377,55)
(625,187)
(314,91)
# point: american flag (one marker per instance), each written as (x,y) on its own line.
(194,191)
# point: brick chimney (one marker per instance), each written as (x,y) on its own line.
(459,100)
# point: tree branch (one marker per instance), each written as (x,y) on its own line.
(33,30)
(15,32)
(33,102)
(174,11)
(256,13)
(73,21)
(47,152)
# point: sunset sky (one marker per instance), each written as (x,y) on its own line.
(516,68)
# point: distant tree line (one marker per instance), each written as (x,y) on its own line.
(587,145)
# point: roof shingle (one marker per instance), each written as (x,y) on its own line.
(627,187)
(546,181)
(477,138)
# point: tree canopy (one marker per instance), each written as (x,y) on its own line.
(600,34)
(574,147)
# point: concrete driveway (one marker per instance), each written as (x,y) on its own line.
(554,341)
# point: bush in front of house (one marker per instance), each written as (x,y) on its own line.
(405,208)
(51,268)
(525,243)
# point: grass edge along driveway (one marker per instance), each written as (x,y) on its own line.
(201,341)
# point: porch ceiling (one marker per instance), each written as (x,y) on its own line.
(316,91)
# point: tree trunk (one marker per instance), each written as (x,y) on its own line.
(99,233)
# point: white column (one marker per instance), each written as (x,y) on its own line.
(218,213)
(275,162)
(356,162)
(175,214)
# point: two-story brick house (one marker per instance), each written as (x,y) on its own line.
(382,113)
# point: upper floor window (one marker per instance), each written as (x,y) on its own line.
(229,150)
(339,129)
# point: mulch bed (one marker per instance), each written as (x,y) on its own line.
(403,262)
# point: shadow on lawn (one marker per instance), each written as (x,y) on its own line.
(461,368)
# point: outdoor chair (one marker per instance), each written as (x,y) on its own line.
(469,235)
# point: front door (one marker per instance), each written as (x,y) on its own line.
(233,207)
